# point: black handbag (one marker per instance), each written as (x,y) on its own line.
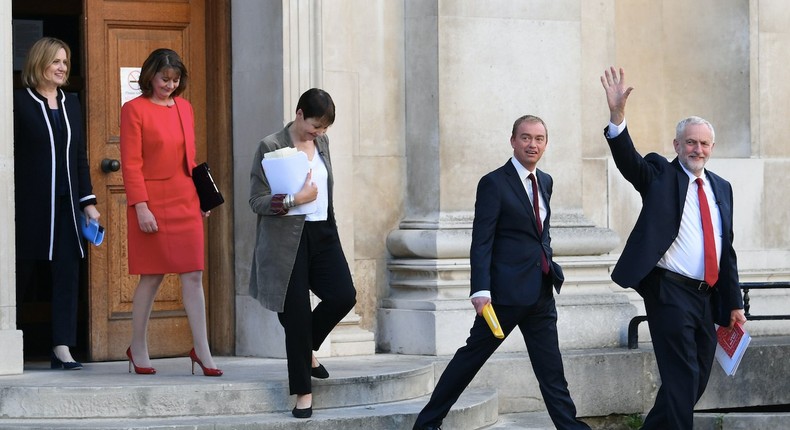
(207,190)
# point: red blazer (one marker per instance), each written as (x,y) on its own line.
(147,152)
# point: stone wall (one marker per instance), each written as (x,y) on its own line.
(427,92)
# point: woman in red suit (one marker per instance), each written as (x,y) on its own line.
(165,226)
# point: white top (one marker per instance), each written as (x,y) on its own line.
(320,178)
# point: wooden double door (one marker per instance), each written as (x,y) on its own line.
(119,34)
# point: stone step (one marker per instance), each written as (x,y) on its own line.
(249,386)
(602,381)
(742,421)
(702,421)
(475,409)
(523,421)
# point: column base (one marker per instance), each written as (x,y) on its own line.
(12,360)
(259,334)
(350,339)
(429,312)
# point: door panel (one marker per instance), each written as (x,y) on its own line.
(121,33)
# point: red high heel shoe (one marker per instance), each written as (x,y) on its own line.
(138,370)
(207,371)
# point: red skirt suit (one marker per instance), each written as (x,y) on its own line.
(157,157)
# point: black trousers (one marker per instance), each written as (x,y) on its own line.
(538,325)
(320,267)
(684,340)
(64,269)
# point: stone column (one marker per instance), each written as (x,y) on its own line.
(11,358)
(471,70)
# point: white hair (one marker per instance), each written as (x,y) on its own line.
(681,127)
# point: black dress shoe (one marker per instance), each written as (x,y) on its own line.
(319,372)
(55,363)
(302,413)
(426,428)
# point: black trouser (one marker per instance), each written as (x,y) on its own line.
(320,267)
(684,341)
(538,325)
(64,268)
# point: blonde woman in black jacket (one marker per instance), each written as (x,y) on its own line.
(52,186)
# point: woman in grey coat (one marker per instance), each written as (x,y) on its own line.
(296,254)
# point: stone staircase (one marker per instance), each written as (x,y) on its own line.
(382,391)
(367,392)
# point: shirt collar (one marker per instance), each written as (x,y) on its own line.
(693,177)
(521,170)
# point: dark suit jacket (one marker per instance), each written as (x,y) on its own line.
(663,186)
(505,252)
(35,160)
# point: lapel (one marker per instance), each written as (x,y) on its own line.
(323,150)
(322,146)
(188,130)
(543,183)
(682,186)
(721,200)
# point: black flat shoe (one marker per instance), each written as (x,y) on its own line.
(302,413)
(55,363)
(319,372)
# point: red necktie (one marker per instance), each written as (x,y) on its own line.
(544,264)
(711,265)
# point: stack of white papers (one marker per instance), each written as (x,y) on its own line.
(286,170)
(281,153)
(730,347)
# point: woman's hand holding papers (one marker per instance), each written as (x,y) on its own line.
(309,191)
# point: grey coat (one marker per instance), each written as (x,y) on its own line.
(277,236)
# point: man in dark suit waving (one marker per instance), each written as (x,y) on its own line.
(679,256)
(512,268)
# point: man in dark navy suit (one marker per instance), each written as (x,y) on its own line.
(687,276)
(512,268)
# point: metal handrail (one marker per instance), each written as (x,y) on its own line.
(633,325)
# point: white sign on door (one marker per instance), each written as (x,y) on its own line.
(130,85)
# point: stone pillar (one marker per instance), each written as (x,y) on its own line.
(11,357)
(466,81)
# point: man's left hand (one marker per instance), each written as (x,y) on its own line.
(479,302)
(737,316)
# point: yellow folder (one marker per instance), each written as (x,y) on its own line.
(493,322)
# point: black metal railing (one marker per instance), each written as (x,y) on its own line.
(746,287)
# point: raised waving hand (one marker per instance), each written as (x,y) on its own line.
(616,93)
